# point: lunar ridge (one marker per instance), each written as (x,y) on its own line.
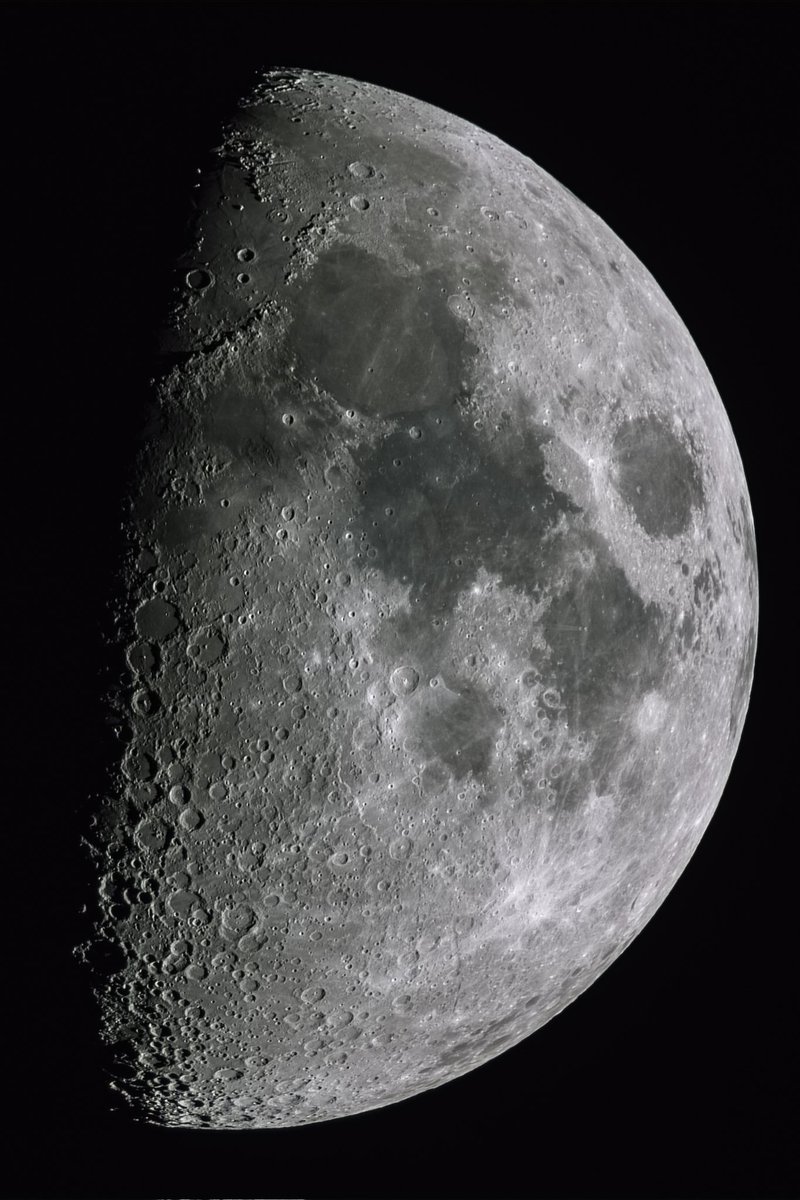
(438,610)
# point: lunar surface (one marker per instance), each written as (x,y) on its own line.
(438,616)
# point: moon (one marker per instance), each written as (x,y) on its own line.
(437,619)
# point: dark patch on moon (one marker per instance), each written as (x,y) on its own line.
(156,619)
(707,583)
(458,726)
(359,327)
(604,641)
(749,536)
(456,508)
(657,476)
(237,419)
(420,165)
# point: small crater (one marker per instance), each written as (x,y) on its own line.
(434,779)
(462,306)
(206,647)
(404,681)
(190,819)
(138,766)
(144,702)
(227,1074)
(238,919)
(651,713)
(142,658)
(400,849)
(198,279)
(152,834)
(156,619)
(312,995)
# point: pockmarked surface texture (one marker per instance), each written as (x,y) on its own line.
(439,609)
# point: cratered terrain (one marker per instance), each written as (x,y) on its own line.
(438,611)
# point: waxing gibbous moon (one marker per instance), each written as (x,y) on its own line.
(438,613)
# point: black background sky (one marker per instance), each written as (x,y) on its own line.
(677,124)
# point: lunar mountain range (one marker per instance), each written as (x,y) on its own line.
(438,616)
